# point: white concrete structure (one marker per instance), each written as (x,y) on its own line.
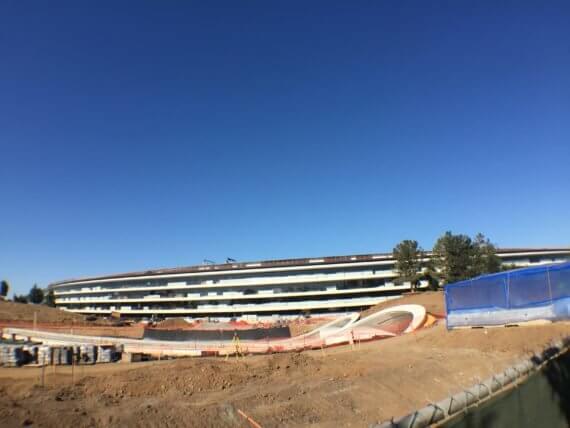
(267,288)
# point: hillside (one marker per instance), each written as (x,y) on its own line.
(433,301)
(10,311)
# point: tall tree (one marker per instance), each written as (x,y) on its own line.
(4,288)
(485,259)
(36,295)
(458,257)
(408,256)
(452,256)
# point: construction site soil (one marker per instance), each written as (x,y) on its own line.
(11,311)
(343,386)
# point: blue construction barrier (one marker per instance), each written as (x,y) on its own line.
(541,292)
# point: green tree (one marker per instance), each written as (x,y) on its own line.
(458,257)
(452,255)
(36,295)
(408,255)
(509,266)
(430,275)
(20,298)
(485,259)
(4,288)
(49,299)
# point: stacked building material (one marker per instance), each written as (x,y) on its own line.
(65,355)
(88,354)
(61,355)
(29,354)
(56,356)
(44,355)
(11,356)
(105,355)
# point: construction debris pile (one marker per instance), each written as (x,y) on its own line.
(10,356)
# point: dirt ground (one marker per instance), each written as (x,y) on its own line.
(11,311)
(335,387)
(433,301)
(302,326)
(51,319)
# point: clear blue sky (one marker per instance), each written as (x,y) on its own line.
(148,134)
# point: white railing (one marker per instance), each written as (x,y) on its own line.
(253,308)
(247,282)
(265,295)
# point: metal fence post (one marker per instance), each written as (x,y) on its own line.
(549,285)
(507,290)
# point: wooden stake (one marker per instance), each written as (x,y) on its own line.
(72,366)
(249,419)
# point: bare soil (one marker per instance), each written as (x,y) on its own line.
(174,323)
(11,311)
(302,326)
(51,319)
(336,387)
(433,301)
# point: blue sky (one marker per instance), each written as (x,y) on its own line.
(147,134)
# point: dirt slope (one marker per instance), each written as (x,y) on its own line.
(433,301)
(10,311)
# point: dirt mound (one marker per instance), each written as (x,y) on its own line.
(433,301)
(299,327)
(11,311)
(174,323)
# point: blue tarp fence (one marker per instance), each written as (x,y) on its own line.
(541,292)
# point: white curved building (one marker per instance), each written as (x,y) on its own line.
(256,289)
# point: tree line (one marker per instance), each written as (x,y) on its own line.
(454,257)
(36,295)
